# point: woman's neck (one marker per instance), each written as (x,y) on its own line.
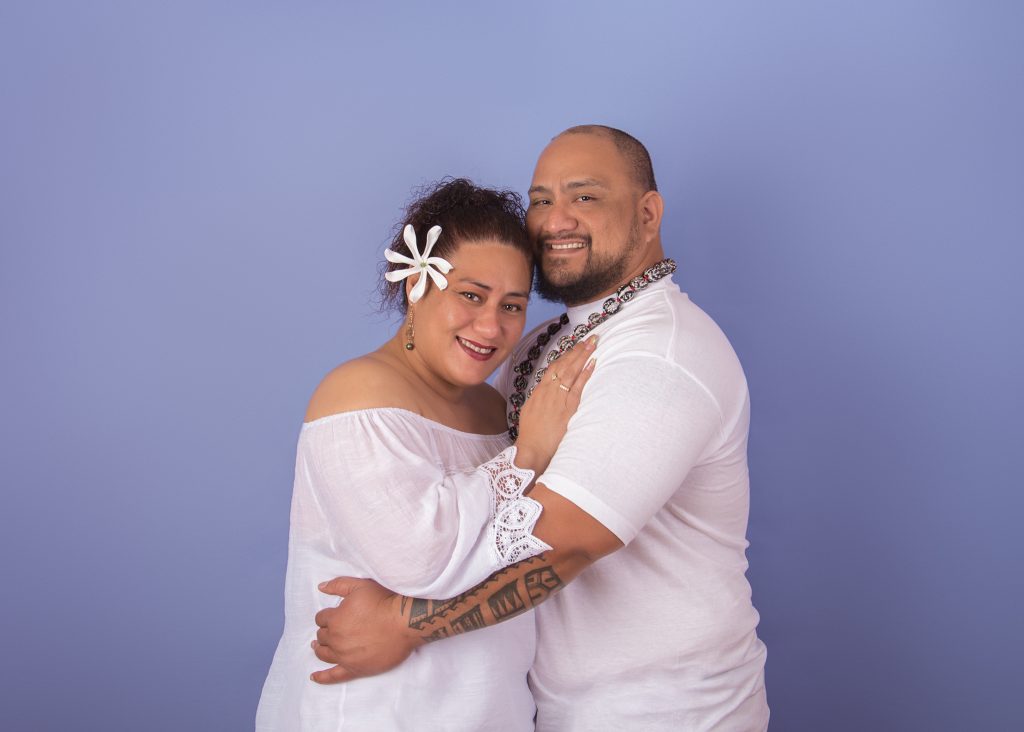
(423,377)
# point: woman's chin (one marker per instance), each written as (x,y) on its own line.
(476,373)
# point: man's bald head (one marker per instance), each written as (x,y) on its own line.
(634,152)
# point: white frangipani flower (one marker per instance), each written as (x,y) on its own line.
(419,264)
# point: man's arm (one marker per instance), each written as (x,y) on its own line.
(391,626)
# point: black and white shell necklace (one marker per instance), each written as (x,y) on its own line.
(608,308)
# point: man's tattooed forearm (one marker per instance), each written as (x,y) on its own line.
(540,583)
(472,619)
(423,612)
(506,602)
(506,593)
(437,635)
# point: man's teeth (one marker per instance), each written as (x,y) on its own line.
(475,348)
(569,245)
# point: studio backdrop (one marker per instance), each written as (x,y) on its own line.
(194,199)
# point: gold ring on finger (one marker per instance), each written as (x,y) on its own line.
(554,376)
(563,387)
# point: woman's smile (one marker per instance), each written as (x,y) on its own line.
(476,350)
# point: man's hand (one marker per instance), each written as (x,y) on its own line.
(365,635)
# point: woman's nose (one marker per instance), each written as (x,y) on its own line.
(487,322)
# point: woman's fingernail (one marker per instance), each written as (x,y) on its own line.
(590,365)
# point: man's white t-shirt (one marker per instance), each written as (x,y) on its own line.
(661,634)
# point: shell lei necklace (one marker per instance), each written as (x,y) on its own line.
(608,308)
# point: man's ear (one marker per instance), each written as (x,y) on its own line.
(650,207)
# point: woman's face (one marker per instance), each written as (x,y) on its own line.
(464,332)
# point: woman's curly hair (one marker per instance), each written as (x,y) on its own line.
(465,212)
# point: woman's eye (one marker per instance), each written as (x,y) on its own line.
(586,198)
(514,308)
(471,296)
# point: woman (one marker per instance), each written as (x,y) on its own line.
(404,474)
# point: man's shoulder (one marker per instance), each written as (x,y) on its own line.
(668,326)
(665,323)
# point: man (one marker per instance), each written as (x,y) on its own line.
(651,476)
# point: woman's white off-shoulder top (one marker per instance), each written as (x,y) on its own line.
(427,511)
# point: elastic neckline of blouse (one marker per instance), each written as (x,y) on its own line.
(432,422)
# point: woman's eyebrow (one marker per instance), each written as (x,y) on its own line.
(488,288)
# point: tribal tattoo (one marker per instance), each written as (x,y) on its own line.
(505,594)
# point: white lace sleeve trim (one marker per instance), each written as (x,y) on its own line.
(513,515)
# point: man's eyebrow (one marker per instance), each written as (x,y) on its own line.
(571,185)
(585,183)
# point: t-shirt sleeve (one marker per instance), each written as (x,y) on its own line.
(412,525)
(643,423)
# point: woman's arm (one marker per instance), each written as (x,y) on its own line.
(402,518)
(380,501)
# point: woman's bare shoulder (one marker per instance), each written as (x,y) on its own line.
(368,382)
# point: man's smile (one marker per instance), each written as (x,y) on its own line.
(564,243)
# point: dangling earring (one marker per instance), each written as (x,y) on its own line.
(410,332)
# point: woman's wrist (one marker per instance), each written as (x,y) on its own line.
(528,458)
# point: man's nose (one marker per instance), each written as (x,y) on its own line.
(560,219)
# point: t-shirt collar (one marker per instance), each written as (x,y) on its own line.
(579,313)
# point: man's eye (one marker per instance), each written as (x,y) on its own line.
(586,198)
(514,308)
(540,202)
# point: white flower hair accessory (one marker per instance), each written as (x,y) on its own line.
(418,264)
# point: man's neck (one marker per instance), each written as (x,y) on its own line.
(655,256)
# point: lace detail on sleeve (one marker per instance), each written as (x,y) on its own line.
(514,515)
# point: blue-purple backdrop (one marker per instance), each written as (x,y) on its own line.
(193,200)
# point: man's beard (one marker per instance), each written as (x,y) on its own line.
(599,274)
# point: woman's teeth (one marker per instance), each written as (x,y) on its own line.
(475,348)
